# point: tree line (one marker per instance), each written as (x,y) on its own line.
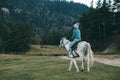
(14,38)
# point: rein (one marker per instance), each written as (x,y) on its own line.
(65,43)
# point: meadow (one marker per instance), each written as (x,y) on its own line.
(35,67)
(46,50)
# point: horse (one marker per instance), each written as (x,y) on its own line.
(83,51)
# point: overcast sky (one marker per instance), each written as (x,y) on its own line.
(87,2)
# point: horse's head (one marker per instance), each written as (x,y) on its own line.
(62,43)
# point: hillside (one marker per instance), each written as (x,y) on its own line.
(47,19)
(42,13)
(113,45)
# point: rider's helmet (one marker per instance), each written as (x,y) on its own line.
(76,25)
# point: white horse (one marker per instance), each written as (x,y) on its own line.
(83,50)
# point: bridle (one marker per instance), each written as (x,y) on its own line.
(63,44)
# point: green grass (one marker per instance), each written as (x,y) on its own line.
(27,67)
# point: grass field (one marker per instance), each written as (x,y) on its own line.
(27,67)
(31,66)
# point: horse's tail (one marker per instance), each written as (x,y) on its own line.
(90,52)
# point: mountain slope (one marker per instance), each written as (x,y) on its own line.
(44,13)
(113,45)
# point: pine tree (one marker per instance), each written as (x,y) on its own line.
(91,4)
(19,38)
(99,4)
(116,1)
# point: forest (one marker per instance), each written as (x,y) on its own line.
(26,22)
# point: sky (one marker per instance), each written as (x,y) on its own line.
(87,2)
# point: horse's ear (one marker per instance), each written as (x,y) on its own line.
(65,37)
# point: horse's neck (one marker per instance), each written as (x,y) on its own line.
(67,45)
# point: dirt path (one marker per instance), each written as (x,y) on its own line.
(113,60)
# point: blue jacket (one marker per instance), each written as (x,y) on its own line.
(76,34)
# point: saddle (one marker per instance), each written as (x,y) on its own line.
(75,45)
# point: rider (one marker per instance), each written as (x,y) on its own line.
(76,36)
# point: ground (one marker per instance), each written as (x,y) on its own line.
(51,50)
(44,63)
(34,67)
(113,60)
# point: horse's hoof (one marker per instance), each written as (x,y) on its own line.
(82,70)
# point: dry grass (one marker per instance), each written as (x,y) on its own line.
(46,50)
(9,56)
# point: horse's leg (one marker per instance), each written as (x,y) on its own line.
(82,60)
(88,63)
(75,63)
(71,62)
